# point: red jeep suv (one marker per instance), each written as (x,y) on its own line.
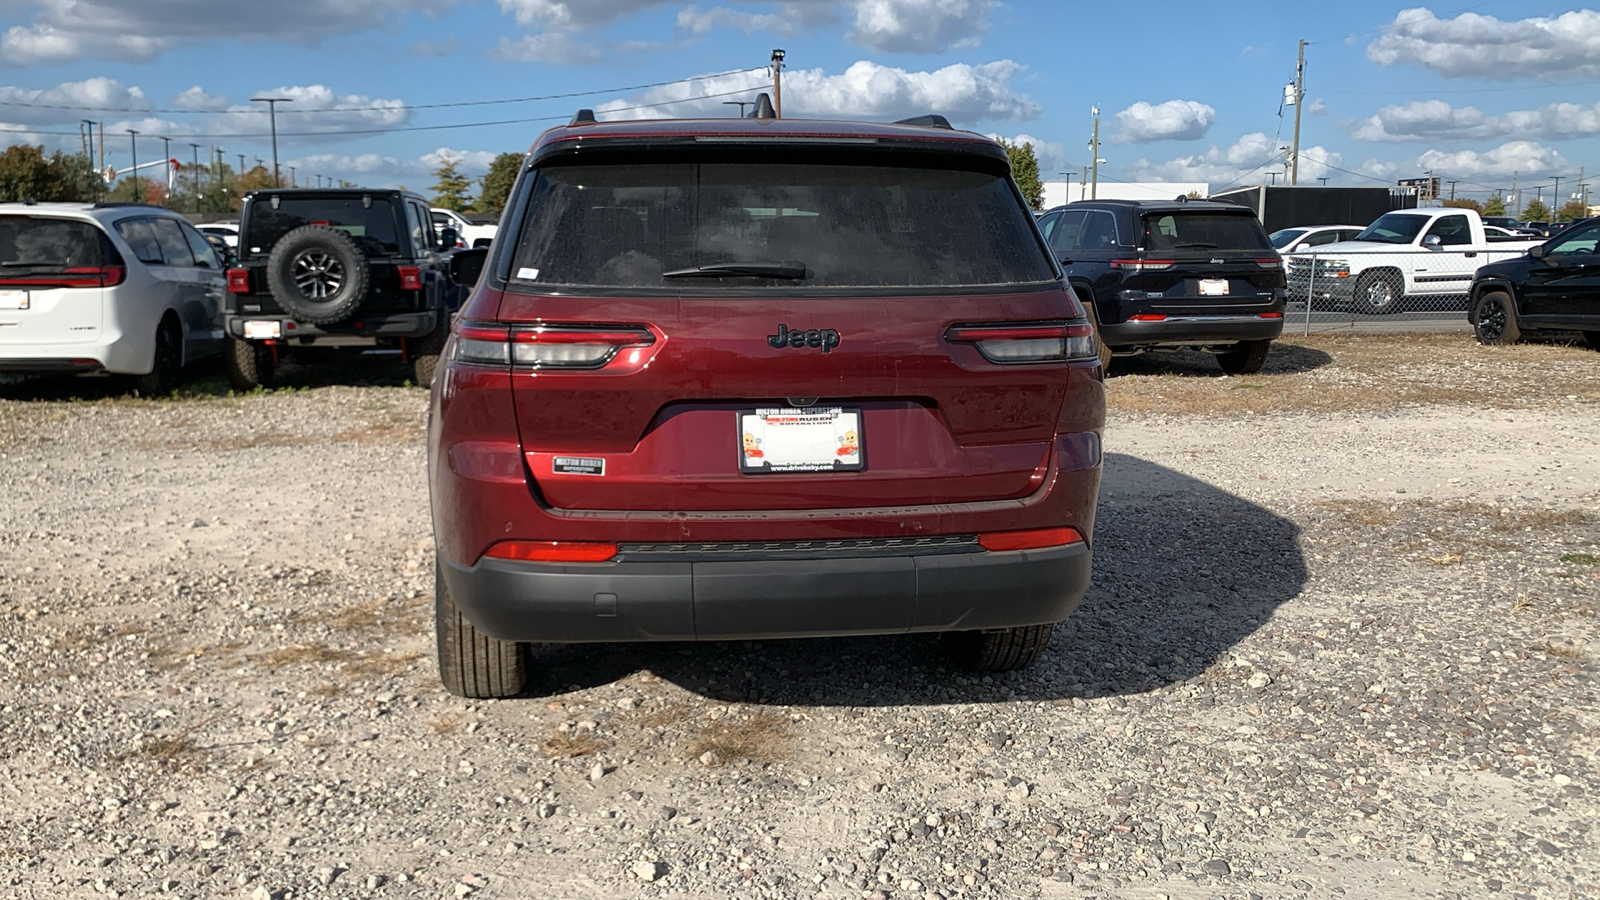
(761,378)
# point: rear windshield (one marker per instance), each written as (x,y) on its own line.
(40,243)
(372,225)
(693,225)
(1203,231)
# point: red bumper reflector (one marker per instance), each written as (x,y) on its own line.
(1272,315)
(552,551)
(1147,317)
(1029,540)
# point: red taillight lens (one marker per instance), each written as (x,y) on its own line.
(1027,342)
(1272,263)
(238,281)
(410,277)
(1029,540)
(552,551)
(1143,265)
(74,277)
(547,346)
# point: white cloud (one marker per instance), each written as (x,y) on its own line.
(1317,107)
(1246,161)
(1174,120)
(1476,46)
(1527,158)
(920,26)
(197,98)
(36,106)
(574,14)
(383,170)
(1052,156)
(554,48)
(789,20)
(962,92)
(104,30)
(1436,120)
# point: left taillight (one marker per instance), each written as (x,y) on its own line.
(1027,342)
(553,346)
(74,277)
(238,281)
(410,277)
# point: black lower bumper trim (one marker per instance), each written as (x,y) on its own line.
(772,598)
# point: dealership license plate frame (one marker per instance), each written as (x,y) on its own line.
(14,300)
(795,440)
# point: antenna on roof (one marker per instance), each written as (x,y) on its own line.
(932,120)
(763,108)
(583,117)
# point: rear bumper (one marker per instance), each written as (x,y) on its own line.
(1188,330)
(360,329)
(769,598)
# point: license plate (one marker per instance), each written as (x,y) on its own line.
(814,439)
(261,331)
(13,299)
(1212,287)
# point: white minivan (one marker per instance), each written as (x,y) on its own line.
(122,288)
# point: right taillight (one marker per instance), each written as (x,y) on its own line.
(552,346)
(238,281)
(1027,342)
(1143,265)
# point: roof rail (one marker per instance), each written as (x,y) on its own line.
(117,204)
(763,108)
(583,117)
(932,120)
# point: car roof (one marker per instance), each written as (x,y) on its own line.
(99,212)
(1144,206)
(763,131)
(335,192)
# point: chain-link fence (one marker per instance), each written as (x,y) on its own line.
(1330,289)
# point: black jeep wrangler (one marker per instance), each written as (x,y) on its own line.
(337,268)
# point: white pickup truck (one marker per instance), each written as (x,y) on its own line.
(1427,256)
(470,233)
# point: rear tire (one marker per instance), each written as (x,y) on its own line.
(167,367)
(997,651)
(1246,357)
(1101,348)
(425,350)
(471,663)
(1495,319)
(250,365)
(1592,338)
(1379,293)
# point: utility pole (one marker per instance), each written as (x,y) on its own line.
(1453,189)
(1583,191)
(135,172)
(88,151)
(196,177)
(1516,197)
(777,82)
(291,176)
(166,156)
(1555,198)
(1094,149)
(1299,95)
(272,111)
(241,165)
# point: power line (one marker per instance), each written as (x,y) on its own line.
(403,106)
(332,134)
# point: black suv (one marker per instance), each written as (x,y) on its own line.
(337,268)
(1556,286)
(1171,274)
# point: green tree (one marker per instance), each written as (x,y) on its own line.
(1025,171)
(27,173)
(1463,203)
(1536,211)
(450,190)
(494,189)
(1495,205)
(1573,211)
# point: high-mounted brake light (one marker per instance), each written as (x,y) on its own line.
(238,281)
(552,551)
(1143,265)
(75,277)
(410,277)
(1027,342)
(547,346)
(1033,539)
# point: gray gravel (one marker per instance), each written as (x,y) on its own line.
(1289,681)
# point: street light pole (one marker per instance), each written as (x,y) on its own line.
(195,177)
(1094,146)
(291,176)
(135,172)
(272,112)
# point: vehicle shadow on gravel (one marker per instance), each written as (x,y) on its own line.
(302,370)
(1284,359)
(1183,572)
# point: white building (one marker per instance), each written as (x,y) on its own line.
(1059,192)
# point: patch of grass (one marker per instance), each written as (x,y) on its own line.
(446,724)
(573,743)
(1582,559)
(760,736)
(383,615)
(1563,651)
(1449,558)
(359,664)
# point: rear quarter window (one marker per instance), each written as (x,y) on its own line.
(47,243)
(1198,230)
(625,224)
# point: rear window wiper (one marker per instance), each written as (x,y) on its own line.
(1195,245)
(789,269)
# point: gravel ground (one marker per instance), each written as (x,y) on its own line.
(1328,653)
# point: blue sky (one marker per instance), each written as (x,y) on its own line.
(1474,91)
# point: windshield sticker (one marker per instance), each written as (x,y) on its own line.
(527,274)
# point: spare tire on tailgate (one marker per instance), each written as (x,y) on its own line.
(317,274)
